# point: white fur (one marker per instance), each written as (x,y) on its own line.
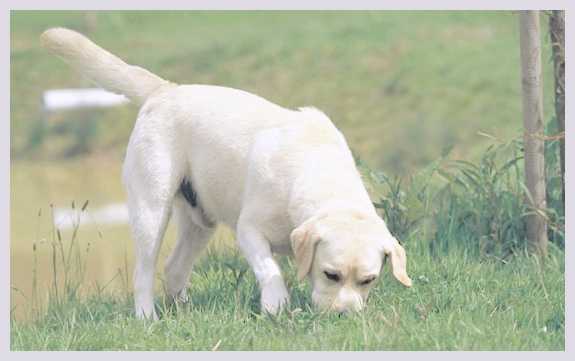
(106,69)
(283,179)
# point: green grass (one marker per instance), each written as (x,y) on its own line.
(475,287)
(457,303)
(400,85)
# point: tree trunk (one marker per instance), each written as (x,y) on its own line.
(557,31)
(529,36)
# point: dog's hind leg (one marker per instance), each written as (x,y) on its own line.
(151,181)
(191,240)
(149,220)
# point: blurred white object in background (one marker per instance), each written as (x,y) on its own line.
(67,99)
(114,213)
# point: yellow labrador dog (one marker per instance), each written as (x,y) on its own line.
(285,180)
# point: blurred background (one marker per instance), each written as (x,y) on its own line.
(404,87)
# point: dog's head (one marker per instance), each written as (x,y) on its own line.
(343,253)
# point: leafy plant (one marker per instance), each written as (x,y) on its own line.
(478,206)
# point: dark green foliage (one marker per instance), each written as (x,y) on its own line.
(555,203)
(477,206)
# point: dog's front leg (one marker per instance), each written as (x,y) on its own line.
(256,249)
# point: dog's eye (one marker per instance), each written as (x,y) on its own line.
(367,281)
(332,276)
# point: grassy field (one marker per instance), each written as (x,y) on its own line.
(457,303)
(410,91)
(475,287)
(401,86)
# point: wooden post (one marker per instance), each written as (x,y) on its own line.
(557,32)
(529,38)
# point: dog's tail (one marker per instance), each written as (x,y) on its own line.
(100,66)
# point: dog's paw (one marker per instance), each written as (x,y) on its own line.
(141,314)
(274,296)
(181,297)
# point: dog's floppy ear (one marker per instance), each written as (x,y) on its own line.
(398,261)
(304,240)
